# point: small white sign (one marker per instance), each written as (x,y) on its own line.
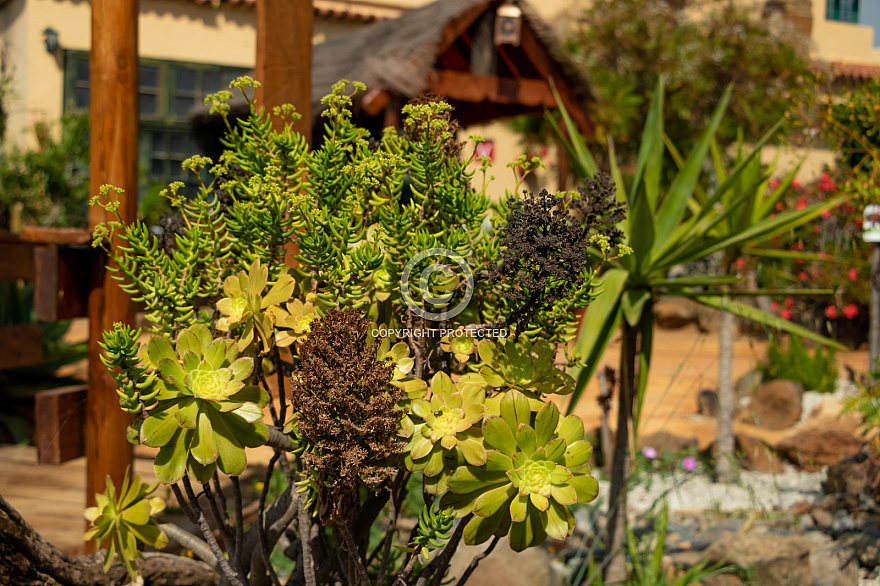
(871,223)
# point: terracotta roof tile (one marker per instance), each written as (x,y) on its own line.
(855,71)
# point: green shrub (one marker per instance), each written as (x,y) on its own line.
(794,362)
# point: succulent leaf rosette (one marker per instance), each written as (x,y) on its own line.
(525,366)
(293,321)
(205,415)
(448,431)
(460,346)
(122,519)
(415,388)
(533,473)
(245,305)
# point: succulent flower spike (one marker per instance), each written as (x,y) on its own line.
(120,521)
(523,365)
(293,322)
(449,429)
(533,472)
(205,415)
(459,346)
(245,306)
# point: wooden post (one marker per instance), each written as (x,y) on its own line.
(113,152)
(874,315)
(284,57)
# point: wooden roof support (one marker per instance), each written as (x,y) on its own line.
(113,155)
(479,88)
(284,57)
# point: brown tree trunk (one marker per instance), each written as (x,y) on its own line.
(615,533)
(724,460)
(26,559)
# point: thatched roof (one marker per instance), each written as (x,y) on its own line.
(398,54)
(398,57)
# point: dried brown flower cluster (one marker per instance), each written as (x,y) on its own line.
(545,246)
(346,411)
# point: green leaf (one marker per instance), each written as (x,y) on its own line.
(519,508)
(633,302)
(473,451)
(280,292)
(488,503)
(467,479)
(188,413)
(558,521)
(587,488)
(600,322)
(230,453)
(215,354)
(766,319)
(170,463)
(515,410)
(158,429)
(251,394)
(204,446)
(670,211)
(576,454)
(498,434)
(546,422)
(480,529)
(526,439)
(159,348)
(171,370)
(441,385)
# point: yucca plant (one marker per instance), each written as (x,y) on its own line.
(667,225)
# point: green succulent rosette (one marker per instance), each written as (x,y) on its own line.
(293,321)
(205,414)
(461,347)
(533,473)
(247,308)
(448,430)
(121,520)
(524,366)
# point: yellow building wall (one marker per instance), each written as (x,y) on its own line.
(842,41)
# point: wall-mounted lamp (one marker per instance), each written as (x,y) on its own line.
(50,38)
(508,25)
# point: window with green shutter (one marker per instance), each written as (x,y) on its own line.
(168,92)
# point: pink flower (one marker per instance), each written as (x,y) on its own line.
(825,177)
(831,312)
(779,205)
(740,263)
(649,452)
(774,306)
(689,463)
(853,274)
(802,202)
(785,313)
(802,275)
(796,184)
(825,183)
(789,302)
(816,228)
(850,311)
(823,255)
(774,183)
(825,213)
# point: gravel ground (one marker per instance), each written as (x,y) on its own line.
(689,491)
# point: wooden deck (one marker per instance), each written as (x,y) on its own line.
(52,497)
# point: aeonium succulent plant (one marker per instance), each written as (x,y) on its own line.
(460,346)
(122,519)
(293,321)
(206,415)
(533,473)
(447,430)
(525,366)
(245,305)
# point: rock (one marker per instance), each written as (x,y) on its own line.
(773,559)
(867,547)
(800,508)
(822,443)
(504,566)
(842,523)
(776,405)
(833,565)
(757,455)
(822,517)
(708,319)
(848,475)
(664,441)
(707,403)
(746,387)
(784,560)
(675,312)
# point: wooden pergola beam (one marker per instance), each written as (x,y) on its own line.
(466,87)
(284,57)
(113,159)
